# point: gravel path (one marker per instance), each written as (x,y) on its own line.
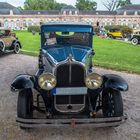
(12,65)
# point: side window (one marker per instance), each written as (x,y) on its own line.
(50,38)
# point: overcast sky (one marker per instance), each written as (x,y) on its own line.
(70,2)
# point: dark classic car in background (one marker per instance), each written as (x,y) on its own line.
(72,93)
(8,41)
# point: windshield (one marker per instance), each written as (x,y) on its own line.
(66,38)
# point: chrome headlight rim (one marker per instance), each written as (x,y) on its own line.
(94,78)
(42,81)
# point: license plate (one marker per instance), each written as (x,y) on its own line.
(70,91)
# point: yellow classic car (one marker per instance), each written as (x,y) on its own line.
(8,41)
(114,33)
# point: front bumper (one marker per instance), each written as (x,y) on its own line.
(91,122)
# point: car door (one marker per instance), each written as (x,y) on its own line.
(8,40)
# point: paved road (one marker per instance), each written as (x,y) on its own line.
(12,65)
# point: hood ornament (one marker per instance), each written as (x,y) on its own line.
(70,58)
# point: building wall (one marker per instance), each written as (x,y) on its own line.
(23,21)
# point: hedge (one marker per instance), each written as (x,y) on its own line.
(34,29)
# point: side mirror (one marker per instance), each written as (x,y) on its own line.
(39,33)
(93,53)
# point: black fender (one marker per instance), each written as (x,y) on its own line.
(16,41)
(115,82)
(22,82)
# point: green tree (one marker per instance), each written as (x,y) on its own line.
(110,5)
(42,5)
(122,3)
(20,8)
(86,5)
(59,6)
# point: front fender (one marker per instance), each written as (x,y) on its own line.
(16,41)
(115,82)
(22,82)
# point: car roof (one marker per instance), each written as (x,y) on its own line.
(67,24)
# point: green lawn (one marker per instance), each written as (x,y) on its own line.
(117,55)
(112,54)
(29,42)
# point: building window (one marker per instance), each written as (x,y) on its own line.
(12,24)
(6,24)
(119,22)
(29,23)
(108,23)
(134,25)
(124,22)
(73,12)
(17,24)
(24,23)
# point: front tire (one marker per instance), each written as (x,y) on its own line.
(112,104)
(25,104)
(135,41)
(16,48)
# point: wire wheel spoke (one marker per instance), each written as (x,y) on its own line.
(110,105)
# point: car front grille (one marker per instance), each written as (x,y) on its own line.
(69,103)
(70,75)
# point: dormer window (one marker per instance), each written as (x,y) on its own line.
(70,12)
(64,12)
(136,12)
(124,12)
(11,12)
(76,12)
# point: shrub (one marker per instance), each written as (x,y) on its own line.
(34,28)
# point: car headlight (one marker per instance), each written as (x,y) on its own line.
(93,81)
(47,81)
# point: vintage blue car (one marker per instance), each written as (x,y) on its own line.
(65,89)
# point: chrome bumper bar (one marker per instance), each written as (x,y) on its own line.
(91,122)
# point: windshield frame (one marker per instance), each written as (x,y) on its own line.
(67,28)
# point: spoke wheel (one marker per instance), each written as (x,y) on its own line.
(17,48)
(2,48)
(134,41)
(112,104)
(110,36)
